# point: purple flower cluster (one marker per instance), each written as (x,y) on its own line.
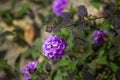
(100,37)
(54,47)
(58,6)
(29,69)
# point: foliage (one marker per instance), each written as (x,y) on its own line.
(84,60)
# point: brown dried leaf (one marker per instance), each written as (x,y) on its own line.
(29,34)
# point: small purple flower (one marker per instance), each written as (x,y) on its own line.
(100,37)
(29,69)
(54,47)
(105,32)
(3,77)
(97,33)
(58,6)
(24,69)
(27,76)
(32,65)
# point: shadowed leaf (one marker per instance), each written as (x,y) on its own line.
(82,11)
(6,33)
(66,18)
(48,67)
(117,22)
(101,60)
(117,74)
(87,75)
(22,11)
(3,64)
(66,15)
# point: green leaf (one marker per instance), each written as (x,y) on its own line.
(58,75)
(63,62)
(3,63)
(96,3)
(4,12)
(72,66)
(13,3)
(72,9)
(101,60)
(106,24)
(101,53)
(34,77)
(66,34)
(6,16)
(37,48)
(6,33)
(92,66)
(114,67)
(37,42)
(26,53)
(35,53)
(22,11)
(39,68)
(8,20)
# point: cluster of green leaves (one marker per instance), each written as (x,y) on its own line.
(8,15)
(35,50)
(83,59)
(100,61)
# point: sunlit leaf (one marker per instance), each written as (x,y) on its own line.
(114,67)
(3,64)
(58,75)
(39,68)
(22,11)
(63,62)
(35,53)
(37,42)
(96,3)
(101,60)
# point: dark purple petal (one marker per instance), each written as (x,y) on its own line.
(27,76)
(99,38)
(105,32)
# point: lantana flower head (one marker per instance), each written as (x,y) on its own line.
(54,47)
(58,6)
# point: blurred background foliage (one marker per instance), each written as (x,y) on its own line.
(23,27)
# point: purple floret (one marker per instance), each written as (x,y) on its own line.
(105,32)
(99,36)
(27,76)
(97,33)
(29,69)
(54,47)
(98,40)
(32,65)
(24,69)
(58,6)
